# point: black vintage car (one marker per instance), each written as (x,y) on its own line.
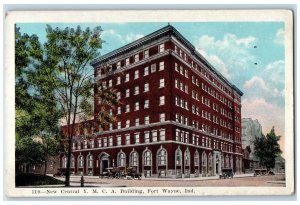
(226,173)
(111,172)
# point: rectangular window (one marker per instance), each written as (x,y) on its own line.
(162,135)
(127,108)
(118,95)
(99,142)
(146,87)
(176,84)
(110,83)
(186,74)
(176,67)
(146,120)
(127,138)
(162,83)
(146,54)
(119,125)
(110,126)
(136,74)
(137,121)
(153,68)
(127,61)
(127,123)
(136,90)
(85,144)
(146,71)
(176,49)
(119,140)
(136,58)
(136,138)
(127,94)
(146,104)
(162,65)
(154,135)
(127,77)
(104,142)
(162,117)
(118,80)
(119,65)
(147,136)
(161,100)
(177,135)
(119,110)
(181,70)
(110,141)
(161,48)
(136,106)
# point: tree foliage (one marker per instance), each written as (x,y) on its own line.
(266,149)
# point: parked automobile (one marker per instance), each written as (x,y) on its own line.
(226,173)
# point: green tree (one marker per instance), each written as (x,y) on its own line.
(267,148)
(69,52)
(36,110)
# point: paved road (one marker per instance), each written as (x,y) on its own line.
(240,180)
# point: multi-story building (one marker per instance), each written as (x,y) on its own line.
(179,117)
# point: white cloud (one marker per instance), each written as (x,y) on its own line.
(132,37)
(256,82)
(231,50)
(112,33)
(279,39)
(275,71)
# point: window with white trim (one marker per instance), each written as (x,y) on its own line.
(146,104)
(127,108)
(162,135)
(154,135)
(118,95)
(91,143)
(80,161)
(153,68)
(147,158)
(147,136)
(146,120)
(127,123)
(127,62)
(176,67)
(118,80)
(136,58)
(134,159)
(161,100)
(105,142)
(121,159)
(136,106)
(162,65)
(110,83)
(119,140)
(119,110)
(161,47)
(136,74)
(137,121)
(136,90)
(99,142)
(119,125)
(127,93)
(127,139)
(162,157)
(162,117)
(146,71)
(110,141)
(119,65)
(127,77)
(137,138)
(146,87)
(146,53)
(162,83)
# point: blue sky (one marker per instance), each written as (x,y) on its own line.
(248,54)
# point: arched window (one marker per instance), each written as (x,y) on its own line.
(90,161)
(72,161)
(227,161)
(187,158)
(80,161)
(134,159)
(178,157)
(162,157)
(147,158)
(204,163)
(210,163)
(64,162)
(121,159)
(196,158)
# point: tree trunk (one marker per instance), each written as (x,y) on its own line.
(46,164)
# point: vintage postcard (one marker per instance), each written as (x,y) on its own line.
(149,103)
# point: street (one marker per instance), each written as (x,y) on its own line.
(239,180)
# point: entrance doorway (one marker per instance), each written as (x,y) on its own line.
(104,163)
(217,168)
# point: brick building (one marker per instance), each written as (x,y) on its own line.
(179,116)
